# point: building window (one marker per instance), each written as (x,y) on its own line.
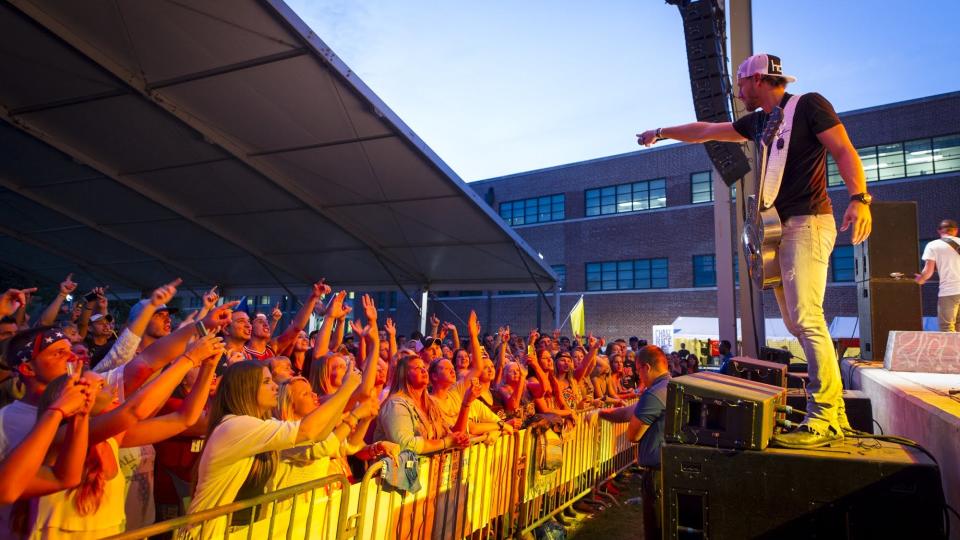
(701,187)
(704,271)
(625,275)
(622,198)
(561,271)
(904,159)
(841,263)
(946,153)
(537,210)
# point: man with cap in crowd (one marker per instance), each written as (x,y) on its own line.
(943,257)
(101,337)
(810,129)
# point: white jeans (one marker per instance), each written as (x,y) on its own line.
(804,257)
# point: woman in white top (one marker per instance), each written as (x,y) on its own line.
(241,453)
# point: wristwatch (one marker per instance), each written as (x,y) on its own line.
(864,198)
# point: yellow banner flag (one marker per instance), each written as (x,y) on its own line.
(578,322)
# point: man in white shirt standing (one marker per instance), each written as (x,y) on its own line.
(943,257)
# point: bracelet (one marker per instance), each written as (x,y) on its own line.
(193,362)
(659,133)
(59,410)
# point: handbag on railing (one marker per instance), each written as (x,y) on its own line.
(547,430)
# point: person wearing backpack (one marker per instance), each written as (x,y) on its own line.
(943,257)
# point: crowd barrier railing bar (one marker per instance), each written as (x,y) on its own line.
(207,524)
(484,490)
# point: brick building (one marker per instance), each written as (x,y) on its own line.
(633,232)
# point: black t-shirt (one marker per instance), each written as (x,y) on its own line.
(804,187)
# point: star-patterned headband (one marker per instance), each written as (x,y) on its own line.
(41,341)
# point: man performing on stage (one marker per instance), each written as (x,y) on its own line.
(809,229)
(943,257)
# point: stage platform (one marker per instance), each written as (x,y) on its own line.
(920,407)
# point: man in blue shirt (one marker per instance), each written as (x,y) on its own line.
(646,428)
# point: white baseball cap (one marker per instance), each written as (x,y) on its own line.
(764,64)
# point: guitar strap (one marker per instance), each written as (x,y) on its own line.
(776,163)
(954,245)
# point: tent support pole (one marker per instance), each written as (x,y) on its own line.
(535,282)
(424,298)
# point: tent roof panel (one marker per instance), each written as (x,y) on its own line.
(228,134)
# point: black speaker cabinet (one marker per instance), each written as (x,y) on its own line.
(893,245)
(843,492)
(763,371)
(719,410)
(884,305)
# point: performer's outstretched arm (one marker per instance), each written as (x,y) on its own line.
(694,132)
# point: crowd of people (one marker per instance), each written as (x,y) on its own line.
(104,431)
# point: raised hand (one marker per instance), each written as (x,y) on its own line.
(367,408)
(358,329)
(73,397)
(351,379)
(101,301)
(473,325)
(205,347)
(534,336)
(320,288)
(276,314)
(434,320)
(369,308)
(592,342)
(210,298)
(67,286)
(220,316)
(337,309)
(234,357)
(556,334)
(13,299)
(506,334)
(390,327)
(473,391)
(165,293)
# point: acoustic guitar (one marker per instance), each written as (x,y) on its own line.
(762,229)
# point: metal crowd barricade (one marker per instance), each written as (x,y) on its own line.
(480,491)
(320,500)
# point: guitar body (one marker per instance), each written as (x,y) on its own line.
(762,231)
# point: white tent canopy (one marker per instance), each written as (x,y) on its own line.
(709,328)
(223,142)
(849,327)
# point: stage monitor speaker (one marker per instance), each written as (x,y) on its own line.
(893,245)
(719,410)
(704,31)
(780,356)
(885,305)
(927,352)
(772,373)
(850,491)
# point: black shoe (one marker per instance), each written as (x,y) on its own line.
(805,437)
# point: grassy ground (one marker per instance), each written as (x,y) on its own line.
(623,522)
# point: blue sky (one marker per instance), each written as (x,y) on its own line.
(499,87)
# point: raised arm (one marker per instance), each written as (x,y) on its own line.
(434,325)
(300,320)
(372,334)
(334,310)
(83,323)
(392,338)
(49,315)
(473,328)
(147,400)
(275,317)
(694,132)
(163,427)
(23,472)
(13,300)
(586,366)
(319,423)
(124,350)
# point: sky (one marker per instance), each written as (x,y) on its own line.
(500,87)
